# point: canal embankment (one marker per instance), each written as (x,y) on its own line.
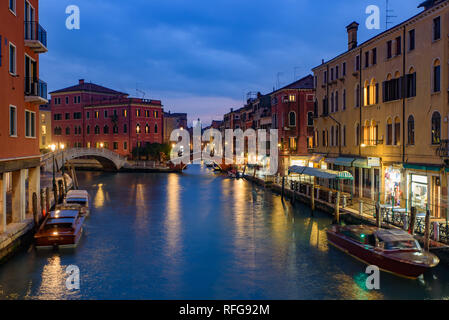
(346,214)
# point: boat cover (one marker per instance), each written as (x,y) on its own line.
(321,173)
(392,235)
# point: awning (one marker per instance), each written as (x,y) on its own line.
(421,167)
(316,158)
(347,162)
(321,173)
(361,163)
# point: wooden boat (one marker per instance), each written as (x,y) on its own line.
(77,198)
(392,250)
(61,228)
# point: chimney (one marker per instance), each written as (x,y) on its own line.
(81,81)
(352,35)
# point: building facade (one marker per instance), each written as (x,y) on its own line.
(22,39)
(45,126)
(382,112)
(292,114)
(173,121)
(92,116)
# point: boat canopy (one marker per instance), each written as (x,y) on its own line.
(321,173)
(77,194)
(392,235)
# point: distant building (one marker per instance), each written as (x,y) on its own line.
(92,116)
(173,121)
(44,125)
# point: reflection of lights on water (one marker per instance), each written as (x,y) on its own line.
(53,280)
(172,222)
(99,197)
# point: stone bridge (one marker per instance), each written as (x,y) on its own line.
(110,160)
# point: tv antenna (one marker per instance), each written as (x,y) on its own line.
(278,80)
(388,15)
(140,91)
(294,73)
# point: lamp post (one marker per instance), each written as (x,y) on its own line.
(63,168)
(55,194)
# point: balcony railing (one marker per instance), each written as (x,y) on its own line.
(35,36)
(443,149)
(35,90)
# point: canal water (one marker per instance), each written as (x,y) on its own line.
(198,235)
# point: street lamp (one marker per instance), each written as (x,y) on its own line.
(101,145)
(53,148)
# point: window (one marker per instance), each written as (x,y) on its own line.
(332,74)
(125,145)
(155,127)
(12,6)
(106,129)
(397,131)
(30,124)
(411,83)
(337,73)
(324,139)
(125,113)
(58,131)
(115,145)
(67,116)
(67,131)
(325,77)
(371,92)
(411,40)
(310,119)
(367,59)
(66,100)
(137,112)
(125,128)
(411,131)
(156,114)
(97,130)
(344,136)
(292,119)
(57,117)
(147,128)
(292,144)
(436,28)
(398,46)
(292,98)
(389,49)
(436,128)
(389,132)
(374,56)
(392,88)
(344,99)
(336,101)
(138,128)
(105,114)
(115,129)
(77,115)
(332,102)
(97,114)
(88,129)
(12,121)
(436,76)
(332,136)
(357,63)
(87,115)
(12,59)
(344,68)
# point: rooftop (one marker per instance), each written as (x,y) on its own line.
(89,87)
(304,83)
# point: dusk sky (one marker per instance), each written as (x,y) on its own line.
(199,57)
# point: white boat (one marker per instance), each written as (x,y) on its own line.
(77,199)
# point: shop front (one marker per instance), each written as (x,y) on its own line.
(392,190)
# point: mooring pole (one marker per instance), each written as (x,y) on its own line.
(411,228)
(283,188)
(337,208)
(378,216)
(427,231)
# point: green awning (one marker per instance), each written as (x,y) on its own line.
(347,162)
(421,167)
(361,163)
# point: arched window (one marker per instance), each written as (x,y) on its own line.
(106,129)
(147,128)
(397,131)
(310,119)
(389,132)
(373,92)
(125,128)
(436,128)
(366,133)
(97,130)
(138,128)
(155,128)
(88,129)
(115,129)
(336,101)
(292,119)
(436,76)
(374,134)
(411,130)
(366,93)
(411,83)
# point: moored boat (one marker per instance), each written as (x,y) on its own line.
(392,250)
(61,228)
(77,198)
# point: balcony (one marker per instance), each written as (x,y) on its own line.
(443,149)
(35,91)
(35,37)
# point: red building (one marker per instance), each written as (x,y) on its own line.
(22,40)
(292,114)
(92,116)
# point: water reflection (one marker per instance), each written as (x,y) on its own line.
(172,217)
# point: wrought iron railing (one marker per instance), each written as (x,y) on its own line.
(34,31)
(35,87)
(443,149)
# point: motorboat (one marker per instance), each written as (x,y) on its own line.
(392,250)
(61,228)
(77,199)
